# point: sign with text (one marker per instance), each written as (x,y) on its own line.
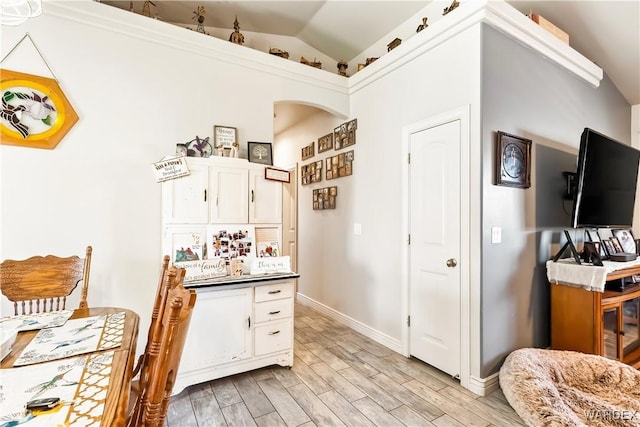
(203,269)
(170,168)
(275,264)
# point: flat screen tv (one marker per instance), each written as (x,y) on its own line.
(605,183)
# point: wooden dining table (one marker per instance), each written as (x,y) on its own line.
(117,397)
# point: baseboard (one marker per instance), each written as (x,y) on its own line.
(356,325)
(484,386)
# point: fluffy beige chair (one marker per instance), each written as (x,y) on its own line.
(565,388)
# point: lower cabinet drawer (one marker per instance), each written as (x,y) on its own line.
(277,290)
(274,310)
(273,336)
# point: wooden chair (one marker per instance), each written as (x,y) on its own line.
(44,282)
(159,364)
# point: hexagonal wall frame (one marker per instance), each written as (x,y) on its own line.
(35,112)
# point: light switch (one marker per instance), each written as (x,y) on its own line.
(496,235)
(357,229)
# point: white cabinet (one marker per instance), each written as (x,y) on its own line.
(237,330)
(229,189)
(265,198)
(222,190)
(220,329)
(185,200)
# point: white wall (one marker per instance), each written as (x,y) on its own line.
(359,276)
(139,87)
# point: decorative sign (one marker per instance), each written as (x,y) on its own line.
(170,168)
(280,264)
(203,269)
(225,136)
(276,175)
(35,111)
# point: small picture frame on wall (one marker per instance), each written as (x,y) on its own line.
(308,151)
(260,152)
(325,143)
(513,161)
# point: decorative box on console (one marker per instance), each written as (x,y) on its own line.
(550,27)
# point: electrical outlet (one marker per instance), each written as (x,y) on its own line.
(496,235)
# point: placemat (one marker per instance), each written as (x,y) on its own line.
(83,380)
(29,322)
(77,336)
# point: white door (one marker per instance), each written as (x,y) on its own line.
(290,218)
(434,276)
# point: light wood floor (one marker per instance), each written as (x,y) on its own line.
(339,378)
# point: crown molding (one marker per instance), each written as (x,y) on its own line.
(496,13)
(499,15)
(112,19)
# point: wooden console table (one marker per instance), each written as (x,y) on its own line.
(605,323)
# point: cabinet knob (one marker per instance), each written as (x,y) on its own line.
(274,292)
(251,196)
(451,262)
(274,333)
(274,312)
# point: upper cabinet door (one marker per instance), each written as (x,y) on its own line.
(265,198)
(185,200)
(229,195)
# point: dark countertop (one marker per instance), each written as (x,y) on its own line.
(232,282)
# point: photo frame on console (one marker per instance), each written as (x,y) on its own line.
(608,246)
(626,239)
(594,236)
(616,244)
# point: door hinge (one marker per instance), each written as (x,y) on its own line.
(409,241)
(408,320)
(409,158)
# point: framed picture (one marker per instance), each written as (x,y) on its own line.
(594,236)
(308,151)
(626,239)
(513,161)
(50,114)
(260,152)
(616,244)
(225,136)
(325,143)
(608,246)
(277,175)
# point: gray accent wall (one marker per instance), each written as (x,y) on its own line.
(524,94)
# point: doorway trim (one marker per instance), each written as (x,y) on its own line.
(463,115)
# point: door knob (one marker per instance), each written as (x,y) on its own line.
(451,262)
